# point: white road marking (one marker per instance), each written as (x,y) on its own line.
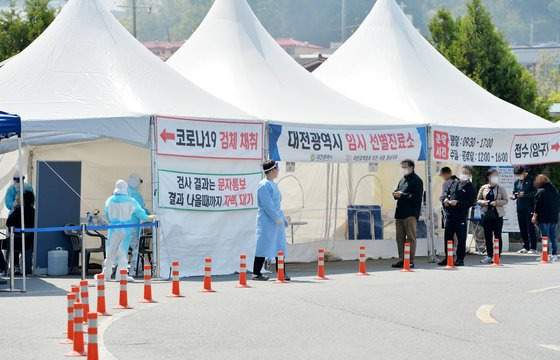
(484,314)
(544,289)
(551,347)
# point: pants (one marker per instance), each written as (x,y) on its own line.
(492,230)
(28,260)
(406,233)
(550,230)
(134,244)
(116,254)
(527,229)
(259,262)
(456,227)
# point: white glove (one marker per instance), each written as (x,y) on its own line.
(279,222)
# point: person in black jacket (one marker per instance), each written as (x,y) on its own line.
(409,203)
(14,220)
(546,212)
(460,197)
(524,192)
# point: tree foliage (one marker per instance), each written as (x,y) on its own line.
(19,28)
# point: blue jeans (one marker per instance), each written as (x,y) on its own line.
(550,230)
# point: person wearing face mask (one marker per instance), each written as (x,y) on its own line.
(409,203)
(546,213)
(134,182)
(12,194)
(492,197)
(524,192)
(458,201)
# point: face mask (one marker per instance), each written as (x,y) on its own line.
(519,177)
(494,179)
(404,171)
(463,177)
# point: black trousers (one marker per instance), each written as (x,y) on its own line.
(456,227)
(258,264)
(527,229)
(492,230)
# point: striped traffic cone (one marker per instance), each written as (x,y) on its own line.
(496,261)
(321,266)
(280,279)
(207,276)
(544,258)
(242,272)
(406,259)
(123,293)
(70,326)
(92,350)
(84,297)
(147,285)
(362,269)
(76,291)
(175,289)
(450,264)
(101,307)
(78,348)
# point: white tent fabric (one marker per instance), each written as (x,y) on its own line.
(388,65)
(232,56)
(86,77)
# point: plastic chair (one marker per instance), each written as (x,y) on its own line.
(76,241)
(144,249)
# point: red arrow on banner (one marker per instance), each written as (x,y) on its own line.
(167,136)
(555,147)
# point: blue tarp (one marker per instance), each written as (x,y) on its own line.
(10,125)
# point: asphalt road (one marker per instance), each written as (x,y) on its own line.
(428,314)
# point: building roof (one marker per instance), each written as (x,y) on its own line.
(529,55)
(152,45)
(289,42)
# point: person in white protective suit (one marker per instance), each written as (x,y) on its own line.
(134,182)
(120,209)
(12,194)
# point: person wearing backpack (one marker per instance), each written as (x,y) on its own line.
(492,197)
(546,213)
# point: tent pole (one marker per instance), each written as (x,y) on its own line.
(155,237)
(22,212)
(429,202)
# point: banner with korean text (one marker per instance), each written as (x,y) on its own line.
(495,147)
(292,143)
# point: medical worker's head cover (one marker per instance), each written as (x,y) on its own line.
(121,187)
(134,180)
(17,176)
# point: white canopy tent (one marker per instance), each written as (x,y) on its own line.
(86,78)
(387,65)
(232,56)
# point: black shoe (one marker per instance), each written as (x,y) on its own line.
(287,277)
(259,278)
(442,262)
(459,263)
(398,264)
(412,266)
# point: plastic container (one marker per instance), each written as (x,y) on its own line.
(57,261)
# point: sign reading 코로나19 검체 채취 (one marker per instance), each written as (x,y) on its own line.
(239,140)
(207,192)
(492,147)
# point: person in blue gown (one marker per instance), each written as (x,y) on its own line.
(271,223)
(134,182)
(12,194)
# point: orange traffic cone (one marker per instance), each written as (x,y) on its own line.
(242,272)
(76,291)
(147,285)
(321,266)
(496,261)
(175,289)
(78,349)
(362,268)
(280,279)
(101,308)
(207,276)
(450,264)
(544,259)
(92,350)
(84,297)
(70,326)
(123,293)
(406,259)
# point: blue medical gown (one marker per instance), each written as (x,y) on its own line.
(271,238)
(12,192)
(120,210)
(135,194)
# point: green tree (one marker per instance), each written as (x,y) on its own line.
(19,29)
(480,51)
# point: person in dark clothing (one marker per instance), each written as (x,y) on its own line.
(546,212)
(524,192)
(448,179)
(458,201)
(14,220)
(409,203)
